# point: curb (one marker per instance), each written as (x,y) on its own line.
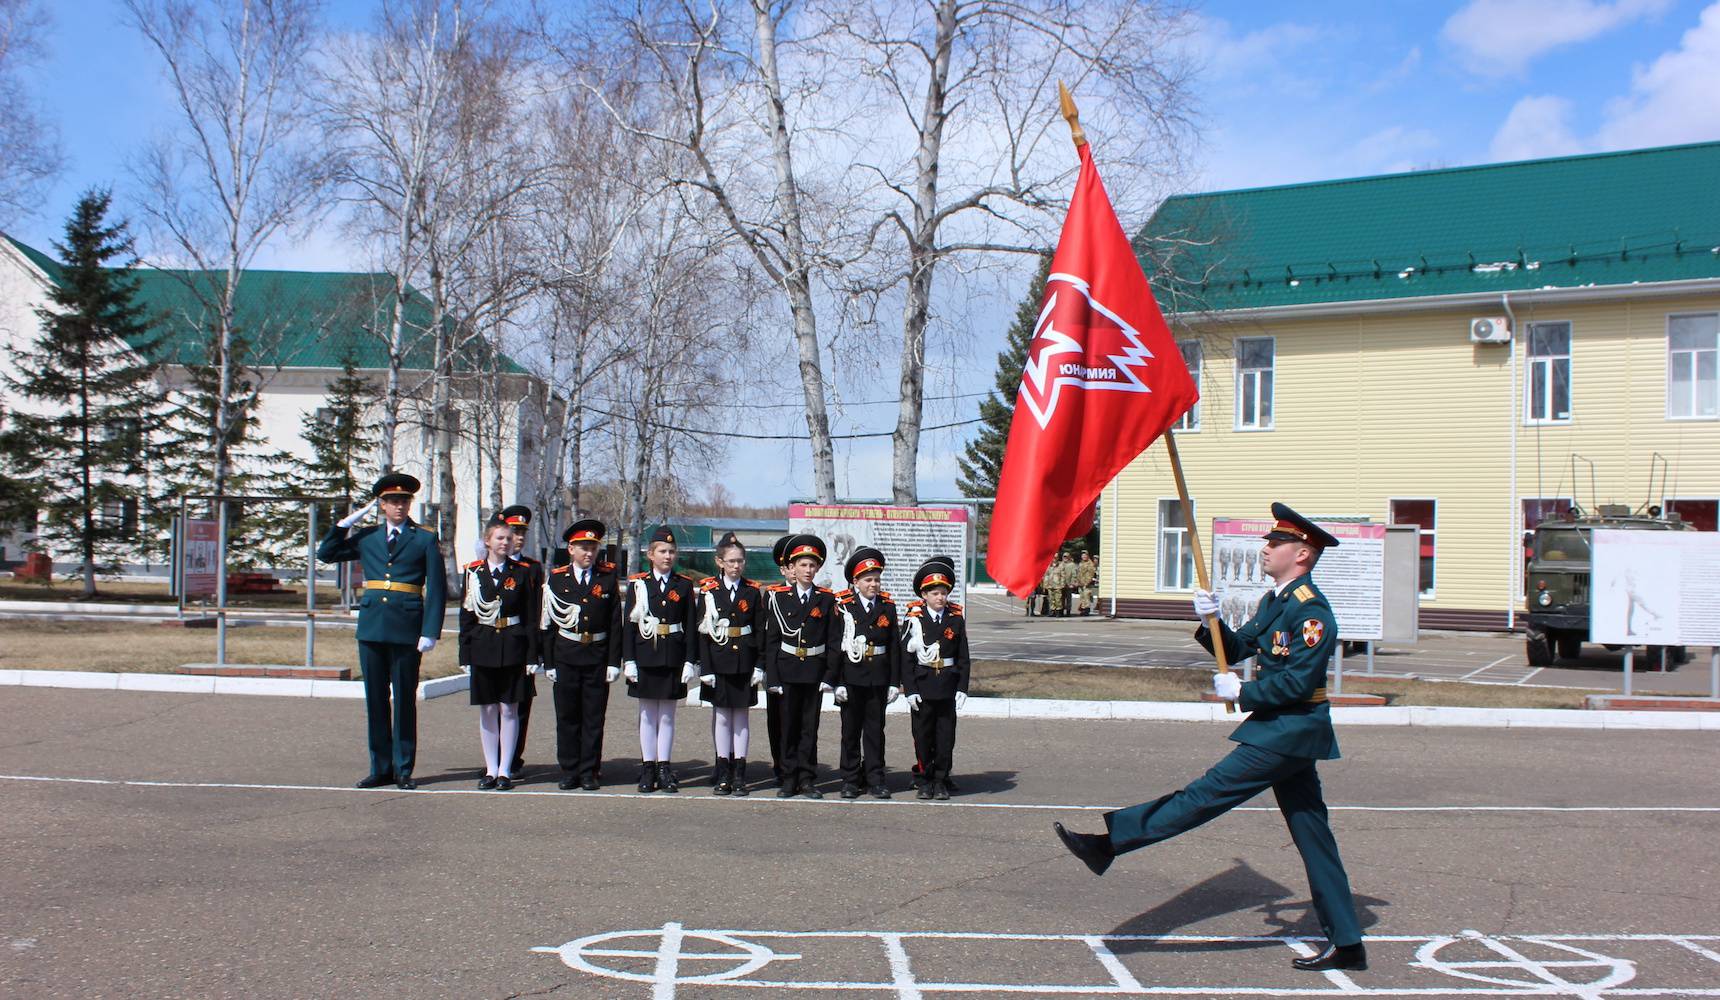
(287,687)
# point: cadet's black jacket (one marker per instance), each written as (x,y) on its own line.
(800,640)
(877,628)
(511,638)
(595,641)
(737,653)
(949,672)
(671,643)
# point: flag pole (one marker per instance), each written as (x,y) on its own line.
(1073,117)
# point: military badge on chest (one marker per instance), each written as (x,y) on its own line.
(1280,643)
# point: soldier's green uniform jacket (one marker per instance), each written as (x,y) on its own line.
(1291,637)
(397,616)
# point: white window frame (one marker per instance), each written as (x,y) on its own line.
(1527,531)
(1241,373)
(1190,422)
(1432,591)
(1535,363)
(1184,549)
(1669,353)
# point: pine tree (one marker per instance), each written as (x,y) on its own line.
(96,406)
(342,443)
(982,462)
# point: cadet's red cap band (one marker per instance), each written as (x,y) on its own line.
(804,550)
(936,579)
(867,566)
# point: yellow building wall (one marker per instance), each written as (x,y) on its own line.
(1401,405)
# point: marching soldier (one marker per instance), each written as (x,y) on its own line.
(935,670)
(499,611)
(518,518)
(731,629)
(399,619)
(800,661)
(1291,635)
(1089,582)
(658,654)
(773,697)
(868,672)
(581,642)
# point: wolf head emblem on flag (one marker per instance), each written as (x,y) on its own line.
(1079,343)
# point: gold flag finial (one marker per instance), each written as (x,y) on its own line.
(1072,116)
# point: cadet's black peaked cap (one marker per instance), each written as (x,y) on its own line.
(1293,527)
(805,545)
(588,530)
(938,571)
(517,516)
(395,484)
(865,559)
(779,551)
(662,534)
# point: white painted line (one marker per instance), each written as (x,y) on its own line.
(1530,674)
(668,963)
(1125,980)
(1490,666)
(901,975)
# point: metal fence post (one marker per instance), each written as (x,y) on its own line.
(311,589)
(221,582)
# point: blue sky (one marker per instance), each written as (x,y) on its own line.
(1286,93)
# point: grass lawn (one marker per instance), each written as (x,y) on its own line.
(128,592)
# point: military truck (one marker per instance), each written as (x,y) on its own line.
(1556,580)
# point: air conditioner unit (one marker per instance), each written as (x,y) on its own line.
(1490,330)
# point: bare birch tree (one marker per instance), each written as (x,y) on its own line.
(29,146)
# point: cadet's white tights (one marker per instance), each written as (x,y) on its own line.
(656,729)
(499,732)
(730,731)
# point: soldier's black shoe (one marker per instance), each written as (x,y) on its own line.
(924,792)
(666,779)
(1347,958)
(589,783)
(406,784)
(880,792)
(486,783)
(809,790)
(940,791)
(375,781)
(739,777)
(1093,849)
(568,783)
(850,790)
(504,783)
(648,776)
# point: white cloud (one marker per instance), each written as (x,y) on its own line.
(1500,37)
(1536,127)
(1391,150)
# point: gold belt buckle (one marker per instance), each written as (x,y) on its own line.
(662,630)
(800,651)
(585,638)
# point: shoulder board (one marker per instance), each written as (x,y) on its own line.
(953,608)
(558,570)
(708,583)
(1303,593)
(638,576)
(748,583)
(884,595)
(777,588)
(605,567)
(680,576)
(528,560)
(474,564)
(822,590)
(843,596)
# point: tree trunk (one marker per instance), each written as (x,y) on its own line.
(442,419)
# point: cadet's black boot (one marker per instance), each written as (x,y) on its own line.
(1346,957)
(785,786)
(850,790)
(720,777)
(666,778)
(648,776)
(738,777)
(1094,849)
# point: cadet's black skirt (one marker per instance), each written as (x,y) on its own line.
(657,684)
(499,685)
(730,691)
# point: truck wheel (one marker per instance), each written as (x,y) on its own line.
(1570,646)
(1538,650)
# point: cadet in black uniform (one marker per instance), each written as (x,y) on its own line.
(581,643)
(773,697)
(868,672)
(518,518)
(935,671)
(659,655)
(731,628)
(800,661)
(498,639)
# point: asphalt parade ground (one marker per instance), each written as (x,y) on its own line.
(161,845)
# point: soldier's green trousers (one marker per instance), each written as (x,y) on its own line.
(1244,773)
(391,668)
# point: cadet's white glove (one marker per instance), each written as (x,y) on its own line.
(465,668)
(689,674)
(538,668)
(776,690)
(757,678)
(1205,604)
(914,701)
(630,670)
(1227,686)
(961,700)
(611,674)
(426,644)
(824,688)
(358,515)
(841,694)
(891,695)
(708,680)
(550,673)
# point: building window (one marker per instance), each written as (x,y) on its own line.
(1692,360)
(1703,515)
(1192,355)
(120,516)
(1549,392)
(1254,356)
(1536,510)
(1176,555)
(1423,513)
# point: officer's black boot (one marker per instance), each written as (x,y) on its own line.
(720,777)
(648,776)
(739,778)
(666,778)
(1348,958)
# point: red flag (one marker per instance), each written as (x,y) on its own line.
(1103,380)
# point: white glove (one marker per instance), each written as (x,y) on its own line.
(914,701)
(1227,686)
(841,694)
(961,700)
(538,668)
(689,674)
(358,515)
(776,690)
(708,680)
(757,678)
(630,670)
(611,674)
(891,695)
(465,668)
(426,644)
(550,673)
(824,688)
(1205,605)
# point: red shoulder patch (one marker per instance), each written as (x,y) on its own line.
(638,576)
(558,570)
(474,564)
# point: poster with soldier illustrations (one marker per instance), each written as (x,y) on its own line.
(1352,575)
(907,536)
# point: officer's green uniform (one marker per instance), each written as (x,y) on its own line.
(404,599)
(1292,636)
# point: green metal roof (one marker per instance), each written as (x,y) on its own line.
(1645,215)
(292,319)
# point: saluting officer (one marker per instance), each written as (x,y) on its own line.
(935,671)
(773,697)
(499,610)
(731,630)
(658,654)
(1291,636)
(399,619)
(581,642)
(800,661)
(518,518)
(868,672)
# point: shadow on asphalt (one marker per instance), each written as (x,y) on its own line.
(1238,889)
